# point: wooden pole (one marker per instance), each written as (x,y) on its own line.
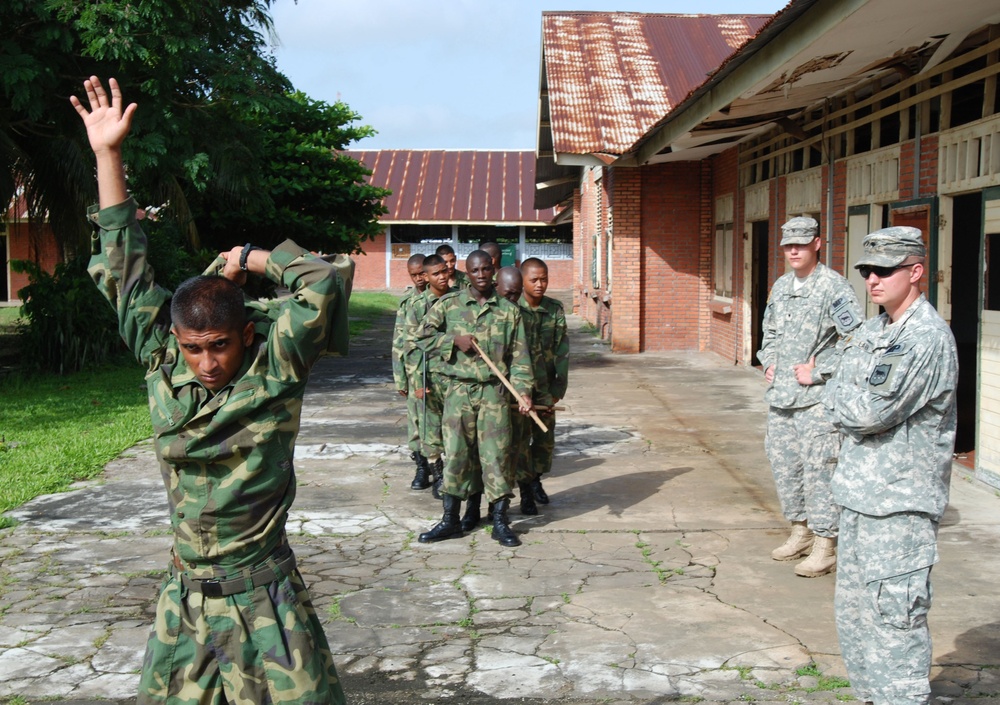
(498,373)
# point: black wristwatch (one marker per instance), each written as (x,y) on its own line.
(247,249)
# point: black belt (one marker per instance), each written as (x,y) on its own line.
(250,579)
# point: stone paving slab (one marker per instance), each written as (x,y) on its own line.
(646,580)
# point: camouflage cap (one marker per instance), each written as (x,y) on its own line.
(799,231)
(889,247)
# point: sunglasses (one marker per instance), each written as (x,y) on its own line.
(881,272)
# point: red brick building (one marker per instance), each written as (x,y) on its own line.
(459,198)
(23,239)
(683,142)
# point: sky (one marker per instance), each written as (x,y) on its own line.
(439,74)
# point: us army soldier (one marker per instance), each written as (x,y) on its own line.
(894,398)
(809,309)
(225,376)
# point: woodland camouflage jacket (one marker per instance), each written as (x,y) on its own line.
(226,458)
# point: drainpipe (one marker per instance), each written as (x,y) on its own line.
(918,125)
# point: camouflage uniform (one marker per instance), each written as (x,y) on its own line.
(406,370)
(801,442)
(548,342)
(894,397)
(226,461)
(461,280)
(476,417)
(430,416)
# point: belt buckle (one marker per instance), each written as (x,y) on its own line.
(211,588)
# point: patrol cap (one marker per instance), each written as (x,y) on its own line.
(799,231)
(889,247)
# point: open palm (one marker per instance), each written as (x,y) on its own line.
(107,124)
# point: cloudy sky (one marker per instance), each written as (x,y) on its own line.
(439,74)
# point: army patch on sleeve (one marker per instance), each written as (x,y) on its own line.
(843,314)
(879,375)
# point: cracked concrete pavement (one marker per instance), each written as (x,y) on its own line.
(646,580)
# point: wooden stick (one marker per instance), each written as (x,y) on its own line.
(542,407)
(498,373)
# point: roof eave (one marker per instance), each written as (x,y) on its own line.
(792,30)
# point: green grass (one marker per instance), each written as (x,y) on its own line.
(9,316)
(56,430)
(367,306)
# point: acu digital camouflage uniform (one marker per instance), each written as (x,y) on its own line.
(429,419)
(548,343)
(894,397)
(406,371)
(226,461)
(801,442)
(476,416)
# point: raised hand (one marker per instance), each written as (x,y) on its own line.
(107,124)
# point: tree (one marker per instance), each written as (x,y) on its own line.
(310,192)
(206,133)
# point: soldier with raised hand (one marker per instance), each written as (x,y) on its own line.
(225,377)
(406,377)
(548,341)
(894,398)
(476,418)
(808,311)
(429,386)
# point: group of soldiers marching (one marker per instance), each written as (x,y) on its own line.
(482,357)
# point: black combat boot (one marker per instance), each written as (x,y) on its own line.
(421,481)
(437,472)
(501,524)
(473,513)
(527,498)
(449,527)
(539,491)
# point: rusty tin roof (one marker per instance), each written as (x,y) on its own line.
(463,186)
(609,77)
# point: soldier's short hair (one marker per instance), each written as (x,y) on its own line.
(478,255)
(534,262)
(443,250)
(208,303)
(491,247)
(415,259)
(432,261)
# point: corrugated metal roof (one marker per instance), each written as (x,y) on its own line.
(611,76)
(456,186)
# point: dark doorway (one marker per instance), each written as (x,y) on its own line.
(758,283)
(965,310)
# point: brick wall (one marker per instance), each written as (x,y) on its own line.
(835,242)
(27,242)
(671,256)
(630,283)
(369,269)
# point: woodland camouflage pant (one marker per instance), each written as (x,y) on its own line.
(424,424)
(262,647)
(476,423)
(531,447)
